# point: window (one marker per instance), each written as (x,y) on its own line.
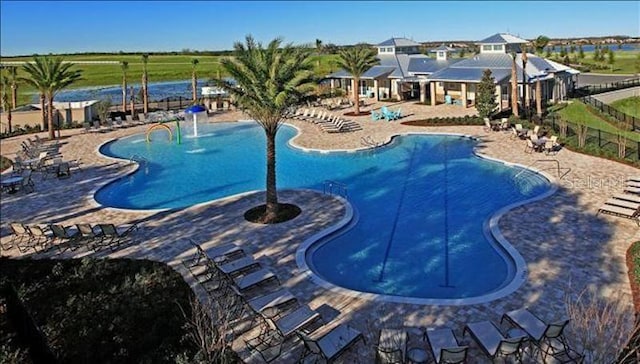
(453,86)
(486,47)
(497,47)
(440,54)
(390,50)
(381,50)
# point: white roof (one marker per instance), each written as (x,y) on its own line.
(63,105)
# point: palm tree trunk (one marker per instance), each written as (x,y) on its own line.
(514,88)
(145,96)
(9,117)
(133,104)
(356,94)
(194,85)
(124,94)
(272,193)
(538,98)
(43,111)
(14,95)
(52,134)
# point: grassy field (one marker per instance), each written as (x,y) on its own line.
(160,68)
(578,112)
(629,106)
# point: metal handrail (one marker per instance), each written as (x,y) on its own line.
(558,168)
(333,187)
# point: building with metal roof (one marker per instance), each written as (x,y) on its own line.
(403,73)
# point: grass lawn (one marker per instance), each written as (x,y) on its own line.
(578,112)
(629,106)
(624,62)
(160,68)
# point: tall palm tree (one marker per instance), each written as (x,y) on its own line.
(124,65)
(318,50)
(13,80)
(194,79)
(268,82)
(4,100)
(514,86)
(525,84)
(50,75)
(357,60)
(145,80)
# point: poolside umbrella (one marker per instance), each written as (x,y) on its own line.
(196,111)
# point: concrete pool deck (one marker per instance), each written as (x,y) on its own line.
(565,245)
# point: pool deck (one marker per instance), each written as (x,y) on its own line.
(565,245)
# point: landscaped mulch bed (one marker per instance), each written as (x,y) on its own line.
(633,266)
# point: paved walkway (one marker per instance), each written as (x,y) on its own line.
(566,246)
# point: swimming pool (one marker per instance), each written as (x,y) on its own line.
(421,202)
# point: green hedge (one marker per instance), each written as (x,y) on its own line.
(462,120)
(105,311)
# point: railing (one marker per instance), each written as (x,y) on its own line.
(335,188)
(369,142)
(621,117)
(598,89)
(142,161)
(558,168)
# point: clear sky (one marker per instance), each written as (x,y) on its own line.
(28,27)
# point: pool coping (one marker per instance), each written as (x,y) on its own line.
(491,227)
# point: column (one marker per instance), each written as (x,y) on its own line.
(376,86)
(423,92)
(432,84)
(499,96)
(463,88)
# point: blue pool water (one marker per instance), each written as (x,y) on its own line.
(421,202)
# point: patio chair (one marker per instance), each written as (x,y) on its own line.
(65,238)
(549,147)
(266,345)
(92,234)
(20,233)
(115,236)
(64,170)
(238,266)
(277,299)
(445,347)
(548,337)
(493,343)
(330,345)
(27,184)
(375,116)
(392,346)
(291,323)
(530,147)
(251,280)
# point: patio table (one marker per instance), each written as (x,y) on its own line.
(11,183)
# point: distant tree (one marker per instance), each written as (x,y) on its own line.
(50,75)
(563,52)
(269,81)
(540,43)
(580,53)
(4,100)
(194,80)
(102,108)
(619,45)
(596,54)
(548,54)
(611,59)
(357,60)
(145,81)
(572,49)
(566,60)
(486,100)
(462,53)
(330,48)
(124,66)
(319,47)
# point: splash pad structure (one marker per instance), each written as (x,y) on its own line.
(199,113)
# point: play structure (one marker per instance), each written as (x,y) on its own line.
(198,113)
(163,125)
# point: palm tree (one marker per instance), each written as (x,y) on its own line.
(194,80)
(13,80)
(514,86)
(318,50)
(357,60)
(124,65)
(145,79)
(268,82)
(525,84)
(50,75)
(4,101)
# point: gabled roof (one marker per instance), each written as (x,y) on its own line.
(502,38)
(398,42)
(443,47)
(424,65)
(468,74)
(377,71)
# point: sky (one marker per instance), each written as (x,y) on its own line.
(30,27)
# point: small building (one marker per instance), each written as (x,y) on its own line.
(64,113)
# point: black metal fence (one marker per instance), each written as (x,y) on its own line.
(596,141)
(625,121)
(605,87)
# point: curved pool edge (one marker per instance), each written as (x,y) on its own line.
(491,227)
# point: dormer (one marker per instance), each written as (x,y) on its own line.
(442,52)
(501,43)
(398,46)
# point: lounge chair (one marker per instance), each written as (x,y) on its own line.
(445,347)
(634,179)
(632,184)
(548,337)
(620,211)
(266,346)
(253,279)
(276,299)
(295,321)
(64,171)
(238,266)
(92,234)
(20,234)
(627,197)
(392,346)
(635,190)
(330,345)
(623,203)
(115,236)
(66,239)
(492,343)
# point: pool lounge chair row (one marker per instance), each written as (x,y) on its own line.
(328,122)
(228,270)
(625,205)
(526,330)
(94,237)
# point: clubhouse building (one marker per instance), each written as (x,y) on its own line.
(404,74)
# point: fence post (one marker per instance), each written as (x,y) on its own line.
(599,138)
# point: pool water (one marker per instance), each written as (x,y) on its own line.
(421,202)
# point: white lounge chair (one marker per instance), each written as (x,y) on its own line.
(493,343)
(329,346)
(445,347)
